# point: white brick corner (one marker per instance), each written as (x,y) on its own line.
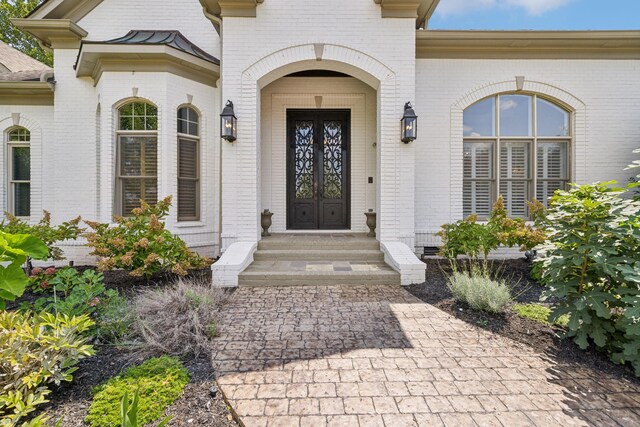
(402,259)
(233,261)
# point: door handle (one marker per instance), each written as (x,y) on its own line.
(315,190)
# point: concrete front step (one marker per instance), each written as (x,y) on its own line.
(300,273)
(311,255)
(322,242)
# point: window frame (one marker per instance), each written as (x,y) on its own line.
(120,133)
(497,140)
(10,181)
(190,138)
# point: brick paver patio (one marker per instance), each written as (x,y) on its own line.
(377,356)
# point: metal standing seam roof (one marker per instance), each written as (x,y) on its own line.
(174,39)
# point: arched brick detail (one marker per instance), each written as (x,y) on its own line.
(241,196)
(578,121)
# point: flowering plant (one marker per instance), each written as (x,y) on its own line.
(141,244)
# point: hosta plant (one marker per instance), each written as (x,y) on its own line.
(37,350)
(591,265)
(141,244)
(15,249)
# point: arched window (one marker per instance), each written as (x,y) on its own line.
(19,168)
(137,168)
(516,146)
(188,165)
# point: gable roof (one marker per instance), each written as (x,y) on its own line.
(15,66)
(172,38)
(12,60)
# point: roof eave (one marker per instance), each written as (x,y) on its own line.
(528,44)
(52,31)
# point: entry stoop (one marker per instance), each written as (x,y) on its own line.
(318,259)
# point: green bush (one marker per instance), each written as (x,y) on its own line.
(115,318)
(476,240)
(478,290)
(539,313)
(37,350)
(591,265)
(159,382)
(142,245)
(43,230)
(129,412)
(15,249)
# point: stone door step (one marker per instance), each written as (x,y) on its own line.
(311,255)
(300,273)
(322,242)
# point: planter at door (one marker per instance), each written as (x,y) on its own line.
(371,223)
(265,222)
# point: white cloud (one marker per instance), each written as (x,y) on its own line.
(466,7)
(508,104)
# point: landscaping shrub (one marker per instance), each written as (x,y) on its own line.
(477,289)
(70,292)
(129,412)
(178,320)
(37,350)
(476,240)
(539,313)
(15,249)
(591,265)
(114,320)
(43,230)
(141,244)
(159,382)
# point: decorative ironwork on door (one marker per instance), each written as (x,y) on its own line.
(318,169)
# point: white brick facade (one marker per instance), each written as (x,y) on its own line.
(416,187)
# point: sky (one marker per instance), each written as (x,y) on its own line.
(537,15)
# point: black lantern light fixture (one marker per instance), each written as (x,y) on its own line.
(409,124)
(228,123)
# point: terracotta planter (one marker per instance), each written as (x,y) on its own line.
(265,222)
(371,223)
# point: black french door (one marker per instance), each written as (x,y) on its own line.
(318,190)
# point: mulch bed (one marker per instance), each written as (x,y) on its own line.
(543,338)
(196,407)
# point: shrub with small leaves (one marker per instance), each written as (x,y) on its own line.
(37,350)
(591,266)
(141,244)
(43,230)
(477,289)
(159,382)
(539,313)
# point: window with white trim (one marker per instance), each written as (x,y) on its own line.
(137,168)
(19,168)
(188,165)
(516,146)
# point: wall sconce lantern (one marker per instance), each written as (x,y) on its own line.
(228,123)
(409,124)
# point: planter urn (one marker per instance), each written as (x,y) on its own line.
(371,223)
(265,222)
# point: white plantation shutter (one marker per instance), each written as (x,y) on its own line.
(552,173)
(514,176)
(138,171)
(188,180)
(478,176)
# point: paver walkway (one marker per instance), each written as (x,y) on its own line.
(376,355)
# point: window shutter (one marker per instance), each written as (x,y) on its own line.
(478,174)
(188,180)
(552,168)
(514,177)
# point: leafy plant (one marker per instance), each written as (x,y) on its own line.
(129,411)
(158,382)
(14,251)
(539,313)
(44,231)
(477,289)
(178,320)
(115,318)
(591,264)
(72,293)
(476,240)
(142,245)
(37,350)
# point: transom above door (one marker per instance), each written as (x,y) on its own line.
(318,190)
